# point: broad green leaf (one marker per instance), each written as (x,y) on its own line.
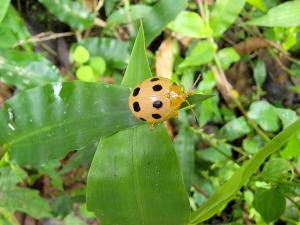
(3,8)
(190,24)
(12,29)
(113,51)
(26,70)
(260,4)
(221,152)
(46,122)
(284,15)
(276,170)
(227,56)
(185,149)
(270,203)
(223,14)
(202,53)
(260,72)
(138,68)
(162,13)
(287,116)
(230,188)
(135,179)
(70,12)
(120,16)
(264,115)
(235,129)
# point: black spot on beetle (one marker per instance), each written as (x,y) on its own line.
(154,79)
(156,116)
(141,118)
(136,91)
(157,87)
(157,104)
(136,107)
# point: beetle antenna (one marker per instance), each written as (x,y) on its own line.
(190,92)
(193,111)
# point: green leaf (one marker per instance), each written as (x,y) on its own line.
(223,14)
(270,203)
(264,115)
(120,16)
(235,129)
(81,55)
(45,123)
(292,149)
(12,29)
(209,111)
(227,56)
(230,188)
(185,149)
(252,144)
(284,15)
(276,170)
(26,70)
(260,4)
(260,72)
(135,179)
(163,12)
(3,8)
(218,153)
(85,73)
(190,24)
(138,68)
(113,51)
(14,198)
(287,116)
(98,65)
(70,12)
(201,53)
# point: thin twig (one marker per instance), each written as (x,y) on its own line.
(43,37)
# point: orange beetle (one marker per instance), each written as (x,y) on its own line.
(156,99)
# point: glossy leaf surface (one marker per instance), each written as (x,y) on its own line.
(163,12)
(135,179)
(70,12)
(45,123)
(26,70)
(230,188)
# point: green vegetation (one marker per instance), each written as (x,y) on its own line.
(71,152)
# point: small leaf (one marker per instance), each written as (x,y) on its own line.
(284,15)
(287,116)
(276,170)
(26,70)
(264,115)
(162,13)
(227,56)
(252,144)
(235,129)
(260,4)
(98,65)
(81,55)
(218,153)
(201,53)
(3,8)
(260,72)
(190,24)
(85,73)
(70,12)
(223,14)
(270,203)
(292,149)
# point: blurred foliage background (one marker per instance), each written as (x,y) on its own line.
(248,56)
